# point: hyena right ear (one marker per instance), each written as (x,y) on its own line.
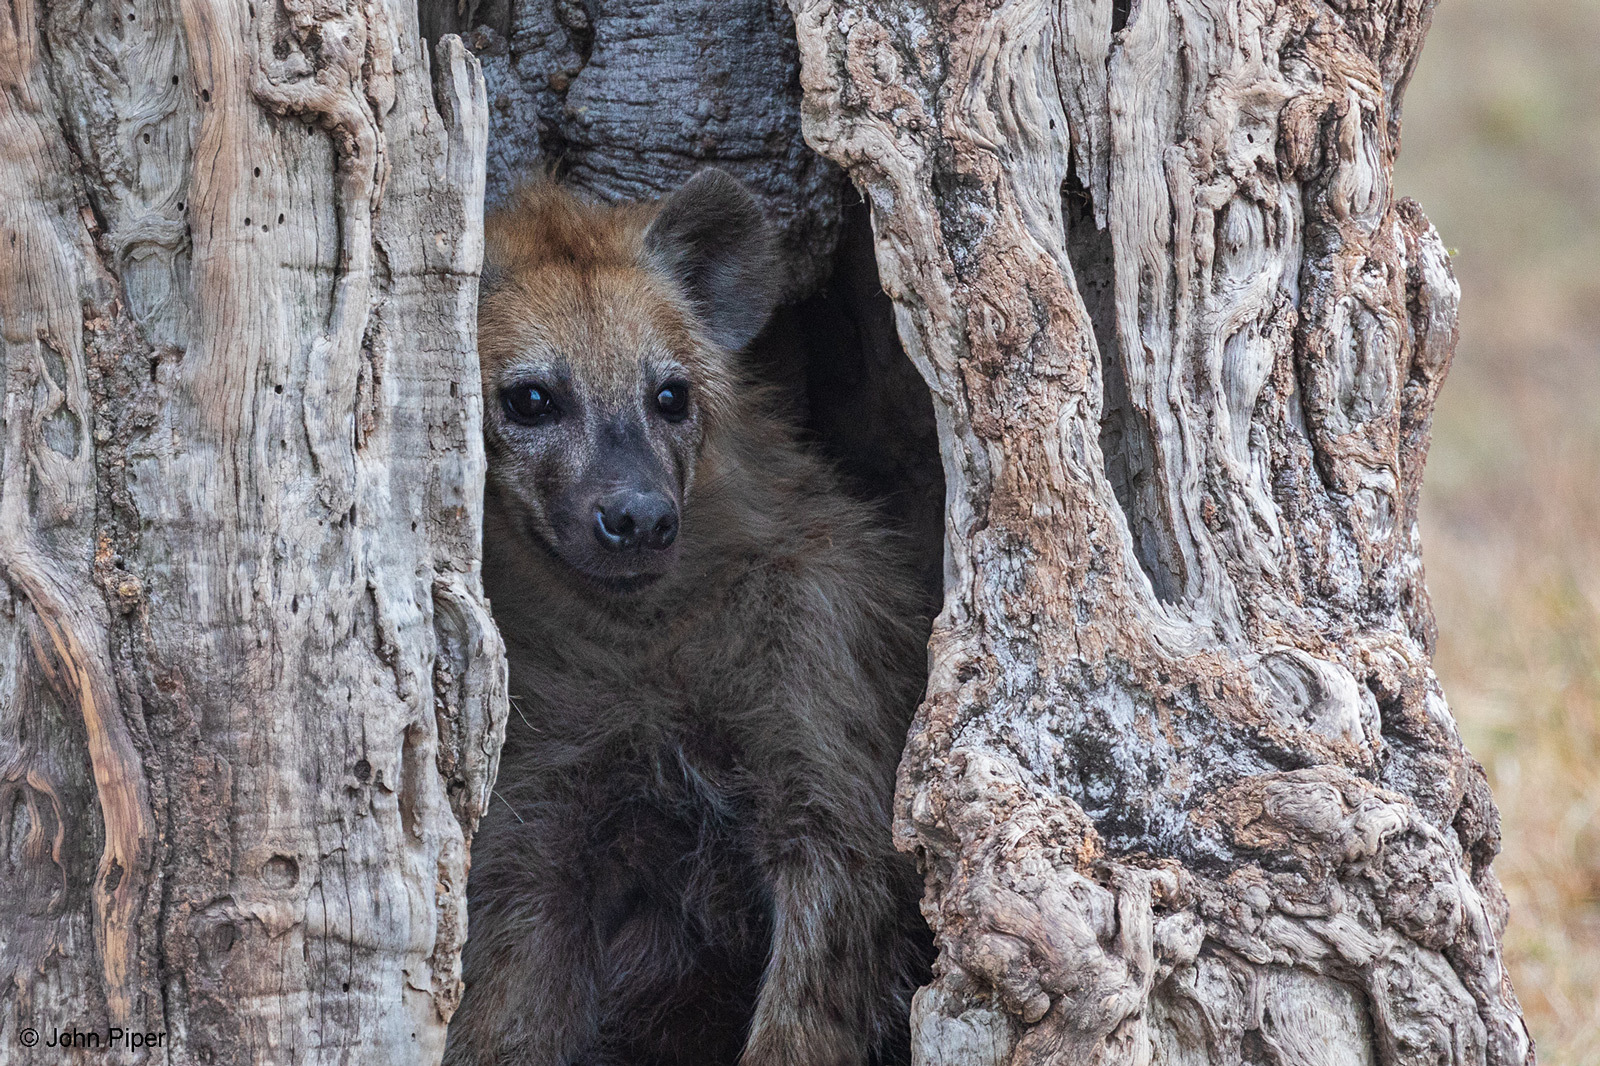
(713,239)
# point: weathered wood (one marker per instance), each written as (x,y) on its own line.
(250,694)
(627,99)
(1186,785)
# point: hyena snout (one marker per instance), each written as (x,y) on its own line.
(631,520)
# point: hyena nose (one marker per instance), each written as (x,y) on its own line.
(630,520)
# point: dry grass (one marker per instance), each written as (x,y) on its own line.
(1502,146)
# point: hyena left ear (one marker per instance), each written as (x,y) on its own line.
(712,237)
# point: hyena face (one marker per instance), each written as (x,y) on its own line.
(605,337)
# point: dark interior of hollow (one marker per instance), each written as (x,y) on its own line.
(837,360)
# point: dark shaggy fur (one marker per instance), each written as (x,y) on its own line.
(689,856)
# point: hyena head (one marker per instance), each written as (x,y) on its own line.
(606,337)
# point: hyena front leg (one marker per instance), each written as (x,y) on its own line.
(532,959)
(829,991)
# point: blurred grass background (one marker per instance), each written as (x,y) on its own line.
(1501,144)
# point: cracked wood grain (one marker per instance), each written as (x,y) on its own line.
(250,693)
(1184,782)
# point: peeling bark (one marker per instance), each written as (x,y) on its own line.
(250,693)
(1185,783)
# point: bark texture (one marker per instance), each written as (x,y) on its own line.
(250,694)
(1185,783)
(626,99)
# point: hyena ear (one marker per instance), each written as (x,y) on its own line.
(712,237)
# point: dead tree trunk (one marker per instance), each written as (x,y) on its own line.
(1185,783)
(249,689)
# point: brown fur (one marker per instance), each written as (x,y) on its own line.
(689,857)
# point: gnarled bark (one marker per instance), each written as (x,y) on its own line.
(1187,788)
(250,693)
(1185,782)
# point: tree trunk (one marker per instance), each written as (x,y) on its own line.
(1185,783)
(250,695)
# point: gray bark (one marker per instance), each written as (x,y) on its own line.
(1185,782)
(626,100)
(250,694)
(1185,785)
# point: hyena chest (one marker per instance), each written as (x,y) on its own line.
(668,800)
(680,907)
(674,834)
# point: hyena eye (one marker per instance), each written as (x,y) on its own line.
(528,402)
(672,399)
